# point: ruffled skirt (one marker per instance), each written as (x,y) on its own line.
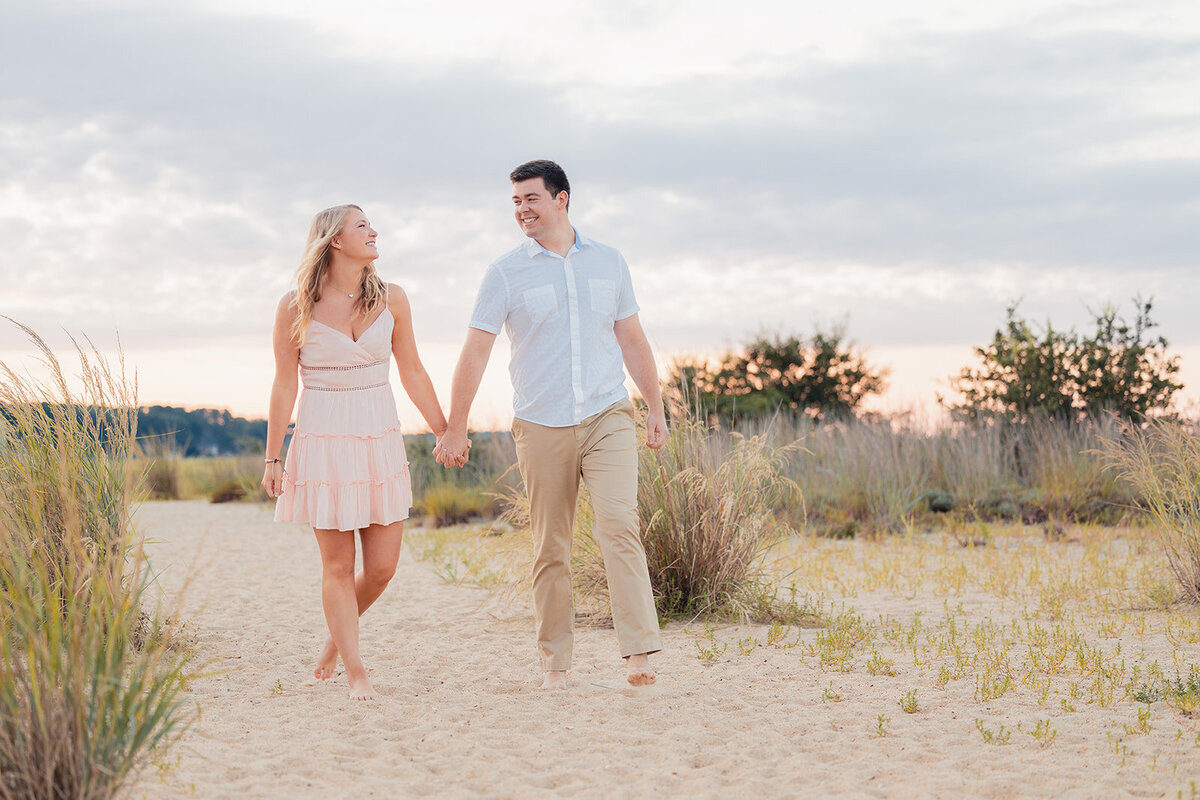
(346,467)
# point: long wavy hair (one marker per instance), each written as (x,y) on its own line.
(314,266)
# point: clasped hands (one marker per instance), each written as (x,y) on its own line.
(452,449)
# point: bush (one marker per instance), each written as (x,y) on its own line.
(84,695)
(450,504)
(225,477)
(1027,374)
(162,479)
(821,377)
(228,491)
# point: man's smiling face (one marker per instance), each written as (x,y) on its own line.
(535,210)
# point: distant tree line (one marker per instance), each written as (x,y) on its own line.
(201,432)
(1027,371)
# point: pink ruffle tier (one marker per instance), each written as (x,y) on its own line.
(380,495)
(346,467)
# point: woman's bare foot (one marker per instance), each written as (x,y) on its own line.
(638,670)
(555,679)
(327,663)
(360,685)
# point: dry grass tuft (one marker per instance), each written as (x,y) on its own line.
(1161,461)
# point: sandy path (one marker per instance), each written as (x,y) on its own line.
(460,715)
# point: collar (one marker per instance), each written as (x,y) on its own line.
(532,247)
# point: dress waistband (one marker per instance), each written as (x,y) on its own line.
(349,378)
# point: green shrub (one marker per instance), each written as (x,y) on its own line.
(1027,374)
(228,491)
(451,504)
(818,377)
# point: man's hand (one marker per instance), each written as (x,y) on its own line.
(656,429)
(452,448)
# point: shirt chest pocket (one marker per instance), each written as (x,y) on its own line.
(604,296)
(540,303)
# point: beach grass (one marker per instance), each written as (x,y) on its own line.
(91,671)
(1161,461)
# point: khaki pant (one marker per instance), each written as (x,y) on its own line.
(603,451)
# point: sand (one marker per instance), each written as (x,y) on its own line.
(460,714)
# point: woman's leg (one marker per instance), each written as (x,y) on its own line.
(381,552)
(341,607)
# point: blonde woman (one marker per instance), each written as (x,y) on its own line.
(346,469)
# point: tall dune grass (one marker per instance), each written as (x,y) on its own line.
(707,504)
(1161,461)
(90,676)
(878,476)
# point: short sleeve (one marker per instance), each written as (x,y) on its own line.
(627,304)
(491,305)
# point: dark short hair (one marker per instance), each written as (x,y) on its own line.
(552,176)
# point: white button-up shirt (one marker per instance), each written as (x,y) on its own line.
(559,313)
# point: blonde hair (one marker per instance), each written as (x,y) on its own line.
(310,275)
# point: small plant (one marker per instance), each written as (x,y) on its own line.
(836,644)
(1043,733)
(881,723)
(747,645)
(998,737)
(1162,596)
(446,568)
(908,702)
(707,647)
(277,689)
(878,665)
(944,676)
(1183,694)
(828,695)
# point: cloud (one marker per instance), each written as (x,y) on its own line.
(160,166)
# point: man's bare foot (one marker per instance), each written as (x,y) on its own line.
(638,670)
(555,679)
(327,663)
(360,685)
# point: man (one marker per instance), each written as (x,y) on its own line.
(567,304)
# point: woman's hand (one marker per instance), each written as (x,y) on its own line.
(273,479)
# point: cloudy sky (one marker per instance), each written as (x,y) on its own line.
(907,170)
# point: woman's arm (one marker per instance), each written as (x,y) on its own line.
(413,376)
(283,392)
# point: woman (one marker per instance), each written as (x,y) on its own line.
(346,469)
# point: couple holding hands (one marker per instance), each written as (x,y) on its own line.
(568,307)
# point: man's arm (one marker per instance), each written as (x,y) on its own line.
(452,449)
(639,360)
